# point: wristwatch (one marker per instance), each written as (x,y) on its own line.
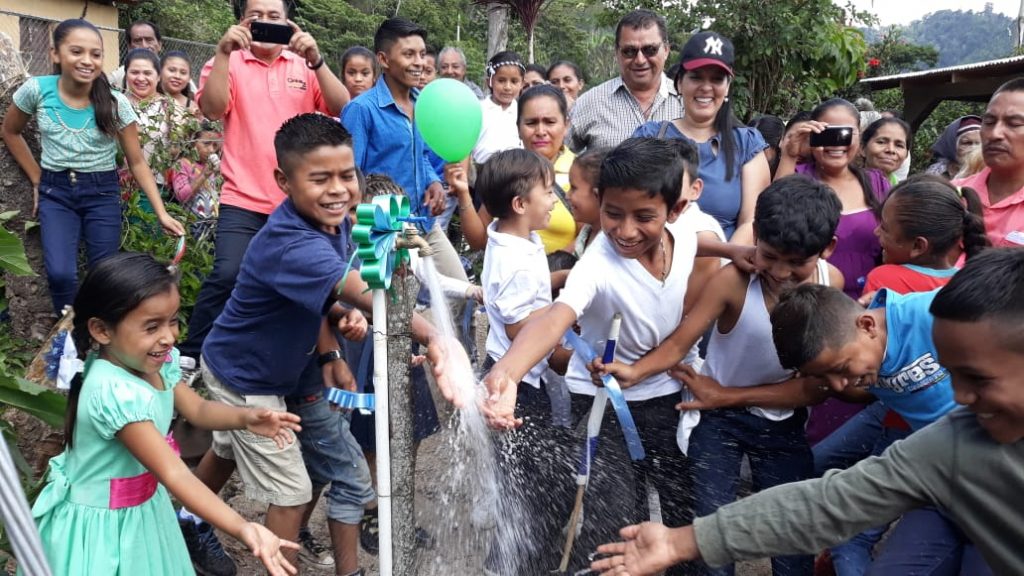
(328,357)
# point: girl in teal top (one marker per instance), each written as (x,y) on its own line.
(75,187)
(105,508)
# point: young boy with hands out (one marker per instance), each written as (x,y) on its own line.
(967,463)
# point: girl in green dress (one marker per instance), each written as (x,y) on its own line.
(106,508)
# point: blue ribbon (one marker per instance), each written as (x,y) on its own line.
(636,448)
(351,400)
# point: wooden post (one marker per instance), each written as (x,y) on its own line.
(401,300)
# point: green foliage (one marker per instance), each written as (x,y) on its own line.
(964,37)
(790,54)
(196,20)
(12,251)
(891,53)
(141,233)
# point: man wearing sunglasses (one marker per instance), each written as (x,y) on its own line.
(606,115)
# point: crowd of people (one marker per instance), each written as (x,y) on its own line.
(796,309)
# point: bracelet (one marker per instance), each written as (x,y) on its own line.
(318,64)
(328,357)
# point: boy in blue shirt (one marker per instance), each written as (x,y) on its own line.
(282,309)
(886,349)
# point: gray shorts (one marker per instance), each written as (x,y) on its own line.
(272,475)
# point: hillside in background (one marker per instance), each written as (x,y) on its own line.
(964,37)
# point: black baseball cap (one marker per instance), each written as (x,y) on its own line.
(708,49)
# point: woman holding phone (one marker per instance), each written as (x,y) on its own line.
(834,138)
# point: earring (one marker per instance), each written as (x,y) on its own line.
(726,98)
(95,346)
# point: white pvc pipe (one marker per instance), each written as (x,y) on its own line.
(382,429)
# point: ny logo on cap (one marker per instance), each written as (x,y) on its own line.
(713,46)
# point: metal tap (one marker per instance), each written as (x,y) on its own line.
(411,238)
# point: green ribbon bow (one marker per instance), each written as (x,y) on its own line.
(378,226)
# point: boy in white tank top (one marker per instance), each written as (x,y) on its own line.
(794,224)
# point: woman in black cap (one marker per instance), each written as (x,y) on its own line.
(732,161)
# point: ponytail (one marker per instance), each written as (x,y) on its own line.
(83,342)
(102,99)
(930,207)
(974,237)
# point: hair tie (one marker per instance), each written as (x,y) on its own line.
(492,69)
(959,191)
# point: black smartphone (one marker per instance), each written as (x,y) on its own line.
(832,136)
(271,33)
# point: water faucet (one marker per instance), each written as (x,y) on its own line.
(411,238)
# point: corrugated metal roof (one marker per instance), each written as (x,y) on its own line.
(1012,63)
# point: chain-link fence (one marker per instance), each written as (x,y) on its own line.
(32,36)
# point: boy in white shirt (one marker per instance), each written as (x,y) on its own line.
(516,187)
(639,267)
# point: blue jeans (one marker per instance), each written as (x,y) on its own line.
(235,229)
(73,206)
(331,453)
(926,543)
(778,454)
(861,436)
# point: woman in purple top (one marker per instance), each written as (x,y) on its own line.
(861,191)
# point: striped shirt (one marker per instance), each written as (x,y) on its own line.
(607,114)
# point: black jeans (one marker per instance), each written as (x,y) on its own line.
(235,229)
(617,494)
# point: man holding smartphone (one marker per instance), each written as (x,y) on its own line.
(253,86)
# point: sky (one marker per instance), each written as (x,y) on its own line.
(904,11)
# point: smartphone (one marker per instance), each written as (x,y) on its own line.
(832,136)
(271,33)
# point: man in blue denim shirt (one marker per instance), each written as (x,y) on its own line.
(386,140)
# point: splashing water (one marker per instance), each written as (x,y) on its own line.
(477,510)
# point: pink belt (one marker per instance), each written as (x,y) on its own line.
(136,490)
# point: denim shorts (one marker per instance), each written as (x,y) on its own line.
(333,456)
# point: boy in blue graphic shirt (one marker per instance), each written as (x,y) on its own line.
(886,349)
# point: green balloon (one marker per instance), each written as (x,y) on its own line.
(449,117)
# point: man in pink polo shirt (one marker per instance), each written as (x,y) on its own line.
(254,88)
(1001,184)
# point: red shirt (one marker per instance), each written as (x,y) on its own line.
(262,97)
(906,278)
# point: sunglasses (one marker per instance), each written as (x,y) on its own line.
(650,51)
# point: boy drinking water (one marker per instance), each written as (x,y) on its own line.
(794,231)
(968,462)
(639,268)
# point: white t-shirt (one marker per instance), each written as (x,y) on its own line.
(603,283)
(498,130)
(516,281)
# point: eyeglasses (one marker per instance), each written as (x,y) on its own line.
(650,51)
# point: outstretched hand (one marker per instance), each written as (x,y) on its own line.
(450,366)
(266,546)
(646,549)
(278,426)
(500,405)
